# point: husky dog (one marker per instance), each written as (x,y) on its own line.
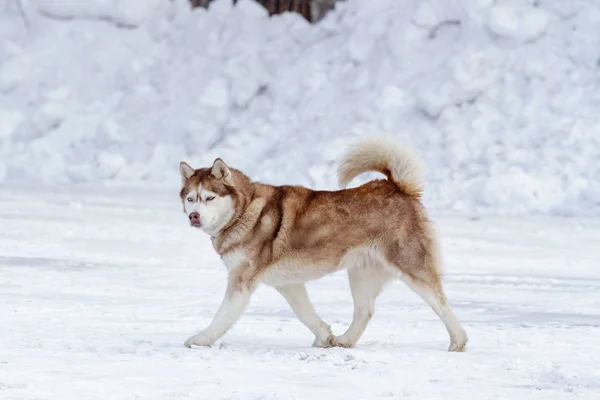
(284,236)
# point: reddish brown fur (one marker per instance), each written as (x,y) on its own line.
(290,234)
(326,224)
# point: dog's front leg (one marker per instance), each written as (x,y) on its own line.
(237,296)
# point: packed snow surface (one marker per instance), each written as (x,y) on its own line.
(499,98)
(99,290)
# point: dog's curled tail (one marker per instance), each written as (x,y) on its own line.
(387,156)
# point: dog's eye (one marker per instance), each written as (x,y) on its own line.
(190,199)
(210,198)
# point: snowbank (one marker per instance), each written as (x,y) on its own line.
(501,99)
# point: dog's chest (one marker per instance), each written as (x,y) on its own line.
(234,259)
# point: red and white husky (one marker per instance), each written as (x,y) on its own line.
(283,236)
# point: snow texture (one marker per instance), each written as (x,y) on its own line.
(100,288)
(499,98)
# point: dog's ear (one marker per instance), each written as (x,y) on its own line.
(186,171)
(220,170)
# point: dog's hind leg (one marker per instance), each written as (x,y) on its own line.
(417,256)
(366,283)
(297,297)
(433,294)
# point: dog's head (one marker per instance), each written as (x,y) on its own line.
(207,195)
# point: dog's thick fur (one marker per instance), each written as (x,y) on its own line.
(283,236)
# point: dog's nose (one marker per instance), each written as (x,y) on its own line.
(195,218)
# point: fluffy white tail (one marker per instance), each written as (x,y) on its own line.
(387,156)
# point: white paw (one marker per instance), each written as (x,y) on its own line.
(341,341)
(459,344)
(325,338)
(201,339)
(323,342)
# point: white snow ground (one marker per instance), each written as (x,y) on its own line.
(100,287)
(501,98)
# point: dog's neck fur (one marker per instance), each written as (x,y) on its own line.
(248,209)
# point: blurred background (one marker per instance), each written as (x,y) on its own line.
(499,98)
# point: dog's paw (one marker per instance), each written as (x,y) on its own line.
(200,339)
(459,345)
(325,338)
(324,342)
(341,341)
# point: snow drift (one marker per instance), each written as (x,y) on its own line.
(499,98)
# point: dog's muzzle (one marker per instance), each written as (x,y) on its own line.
(194,218)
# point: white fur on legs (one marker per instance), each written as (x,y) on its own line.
(233,305)
(437,301)
(366,282)
(297,297)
